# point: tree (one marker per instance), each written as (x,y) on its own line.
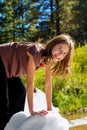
(30,20)
(80,18)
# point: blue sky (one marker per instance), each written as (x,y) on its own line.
(1,0)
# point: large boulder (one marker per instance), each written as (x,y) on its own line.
(51,121)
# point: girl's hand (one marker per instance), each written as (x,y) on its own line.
(33,113)
(42,112)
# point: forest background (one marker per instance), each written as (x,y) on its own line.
(41,20)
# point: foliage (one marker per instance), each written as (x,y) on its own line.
(40,79)
(30,20)
(80,20)
(67,103)
(80,59)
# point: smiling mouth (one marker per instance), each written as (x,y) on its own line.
(58,59)
(55,58)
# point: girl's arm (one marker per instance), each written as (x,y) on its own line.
(30,86)
(30,82)
(48,88)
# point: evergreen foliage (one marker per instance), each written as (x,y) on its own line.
(30,20)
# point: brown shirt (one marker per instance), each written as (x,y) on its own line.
(15,58)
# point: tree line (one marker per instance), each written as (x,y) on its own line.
(27,20)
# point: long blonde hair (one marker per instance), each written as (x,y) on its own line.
(60,68)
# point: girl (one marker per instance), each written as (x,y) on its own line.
(22,58)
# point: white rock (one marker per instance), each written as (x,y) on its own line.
(51,121)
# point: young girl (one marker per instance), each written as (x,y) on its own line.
(22,58)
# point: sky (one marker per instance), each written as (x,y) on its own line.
(1,1)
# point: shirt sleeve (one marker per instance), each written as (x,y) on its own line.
(35,52)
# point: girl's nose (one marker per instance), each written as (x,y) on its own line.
(60,56)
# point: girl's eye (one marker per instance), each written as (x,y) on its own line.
(60,49)
(64,54)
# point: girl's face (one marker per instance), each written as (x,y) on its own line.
(59,52)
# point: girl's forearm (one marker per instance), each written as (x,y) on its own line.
(49,98)
(30,90)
